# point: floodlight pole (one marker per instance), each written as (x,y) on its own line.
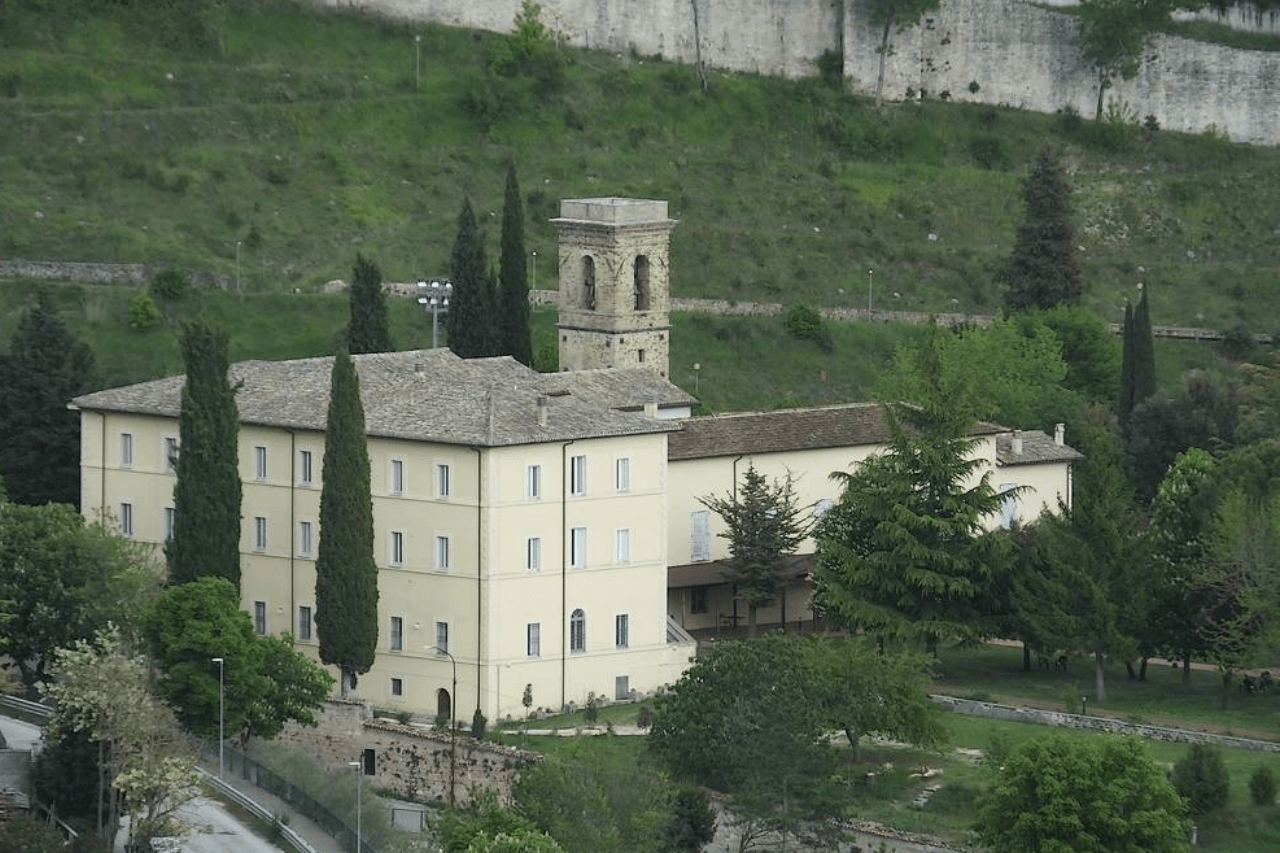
(221,715)
(870,274)
(359,766)
(453,725)
(434,295)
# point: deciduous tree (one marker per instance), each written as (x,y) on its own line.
(1085,795)
(1114,34)
(895,16)
(513,285)
(45,367)
(367,330)
(206,498)
(471,323)
(62,581)
(1043,271)
(346,574)
(764,525)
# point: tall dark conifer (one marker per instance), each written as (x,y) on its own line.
(470,323)
(346,574)
(206,498)
(367,330)
(45,367)
(513,284)
(1138,367)
(1125,407)
(1043,271)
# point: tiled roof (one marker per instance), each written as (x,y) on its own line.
(850,425)
(426,395)
(1037,447)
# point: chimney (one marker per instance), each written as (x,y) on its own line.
(1017,443)
(1059,433)
(651,410)
(542,410)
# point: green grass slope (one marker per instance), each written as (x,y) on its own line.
(305,136)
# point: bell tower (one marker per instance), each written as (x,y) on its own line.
(614,284)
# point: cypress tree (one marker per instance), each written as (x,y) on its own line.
(46,366)
(1144,351)
(1043,271)
(367,330)
(346,575)
(513,284)
(206,498)
(1125,406)
(470,322)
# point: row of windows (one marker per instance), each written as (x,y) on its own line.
(396,475)
(578,633)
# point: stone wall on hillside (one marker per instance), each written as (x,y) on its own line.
(1019,54)
(412,761)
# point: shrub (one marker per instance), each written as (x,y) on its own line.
(988,151)
(478,725)
(1201,778)
(831,68)
(974,87)
(1237,343)
(143,313)
(1262,786)
(644,718)
(1070,119)
(169,283)
(805,324)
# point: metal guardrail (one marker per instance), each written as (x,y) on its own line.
(36,709)
(296,841)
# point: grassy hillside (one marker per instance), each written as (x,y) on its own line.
(304,136)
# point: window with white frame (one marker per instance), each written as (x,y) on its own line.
(623,547)
(305,472)
(533,554)
(533,639)
(442,637)
(533,482)
(170,520)
(397,548)
(578,631)
(622,474)
(306,540)
(395,637)
(621,630)
(397,687)
(126,518)
(578,547)
(700,535)
(170,454)
(442,553)
(442,480)
(260,462)
(397,476)
(304,623)
(259,533)
(126,450)
(260,617)
(578,475)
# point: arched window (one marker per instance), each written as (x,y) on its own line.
(588,282)
(444,705)
(640,286)
(578,631)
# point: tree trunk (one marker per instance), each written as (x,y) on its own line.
(853,744)
(1142,669)
(1186,669)
(1102,89)
(1099,676)
(751,620)
(1226,688)
(1128,667)
(1026,657)
(697,48)
(884,52)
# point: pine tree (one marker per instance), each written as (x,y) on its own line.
(46,366)
(764,526)
(206,498)
(346,574)
(1043,271)
(513,287)
(367,331)
(470,323)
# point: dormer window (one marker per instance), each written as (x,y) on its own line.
(589,283)
(640,286)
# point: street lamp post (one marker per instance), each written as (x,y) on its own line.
(359,766)
(221,716)
(417,62)
(453,723)
(535,269)
(870,273)
(435,296)
(237,266)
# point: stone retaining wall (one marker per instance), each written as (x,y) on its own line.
(1099,724)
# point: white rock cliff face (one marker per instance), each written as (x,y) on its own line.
(1018,54)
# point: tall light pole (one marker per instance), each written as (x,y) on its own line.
(221,716)
(417,62)
(535,269)
(359,766)
(435,296)
(453,723)
(237,266)
(869,275)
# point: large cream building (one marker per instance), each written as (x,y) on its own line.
(544,530)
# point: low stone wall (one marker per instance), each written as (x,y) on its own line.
(90,273)
(1098,724)
(414,762)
